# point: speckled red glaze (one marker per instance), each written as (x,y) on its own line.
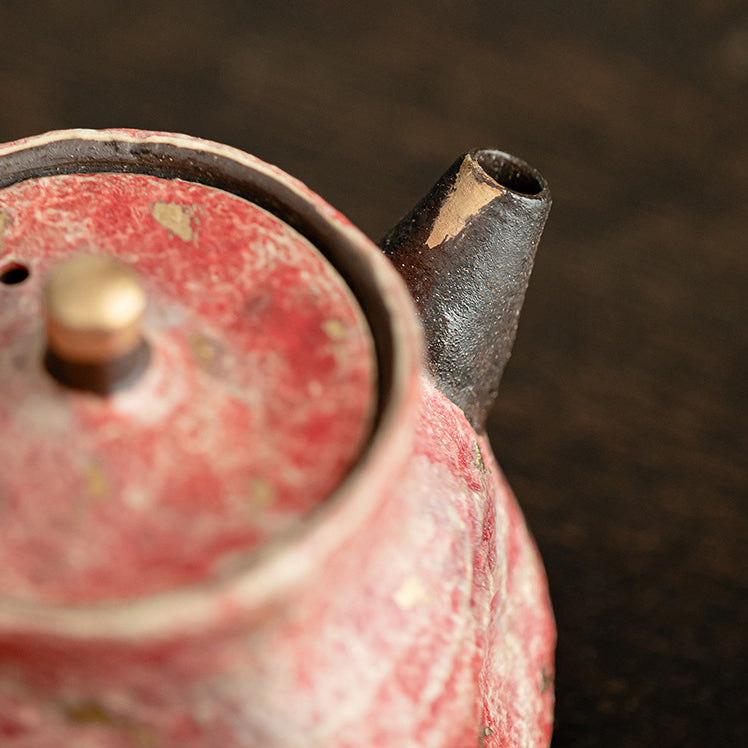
(258,351)
(409,611)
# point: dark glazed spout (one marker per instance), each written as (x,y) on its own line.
(466,251)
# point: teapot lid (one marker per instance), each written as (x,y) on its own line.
(249,394)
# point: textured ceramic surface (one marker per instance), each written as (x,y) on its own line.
(410,610)
(258,350)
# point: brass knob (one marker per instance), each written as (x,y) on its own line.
(94,305)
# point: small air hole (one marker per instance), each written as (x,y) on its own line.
(13,273)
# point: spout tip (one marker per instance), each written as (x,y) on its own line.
(510,173)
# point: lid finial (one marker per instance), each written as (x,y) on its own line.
(94,306)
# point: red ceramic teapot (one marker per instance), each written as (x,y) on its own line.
(241,502)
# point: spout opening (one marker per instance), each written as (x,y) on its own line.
(510,172)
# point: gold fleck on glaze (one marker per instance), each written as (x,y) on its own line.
(96,481)
(262,495)
(412,592)
(143,737)
(4,223)
(479,462)
(546,679)
(334,329)
(176,218)
(88,713)
(203,350)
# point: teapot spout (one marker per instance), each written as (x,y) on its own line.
(466,252)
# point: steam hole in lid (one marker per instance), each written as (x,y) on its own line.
(509,172)
(13,273)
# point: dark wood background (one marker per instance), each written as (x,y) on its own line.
(621,421)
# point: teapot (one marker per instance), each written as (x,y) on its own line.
(246,494)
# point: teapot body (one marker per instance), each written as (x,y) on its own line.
(430,627)
(409,609)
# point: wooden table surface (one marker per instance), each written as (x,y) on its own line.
(622,417)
